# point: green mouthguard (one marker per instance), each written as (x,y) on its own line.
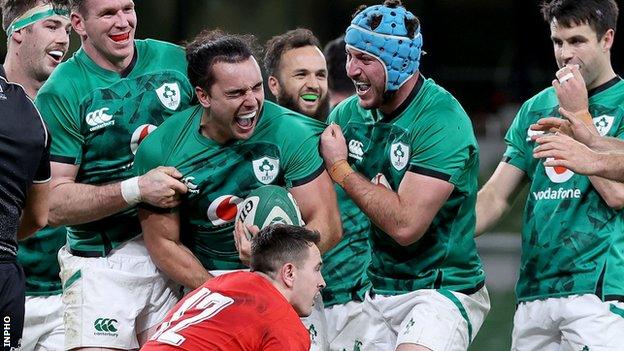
(310,97)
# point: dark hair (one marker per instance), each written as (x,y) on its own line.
(374,21)
(214,46)
(293,39)
(336,58)
(279,244)
(12,9)
(600,15)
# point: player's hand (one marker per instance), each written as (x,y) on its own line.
(243,245)
(161,187)
(569,125)
(333,145)
(570,89)
(562,151)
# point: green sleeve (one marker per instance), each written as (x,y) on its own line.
(302,161)
(62,117)
(443,149)
(516,136)
(149,155)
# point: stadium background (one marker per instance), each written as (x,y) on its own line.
(491,54)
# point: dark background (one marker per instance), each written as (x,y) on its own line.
(490,54)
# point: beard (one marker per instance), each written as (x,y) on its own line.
(290,102)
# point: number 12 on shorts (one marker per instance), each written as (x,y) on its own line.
(202,305)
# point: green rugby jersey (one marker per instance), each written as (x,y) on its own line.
(98,117)
(283,150)
(38,257)
(430,134)
(572,242)
(344,266)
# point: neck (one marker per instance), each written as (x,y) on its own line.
(210,130)
(399,97)
(108,63)
(277,285)
(602,78)
(16,73)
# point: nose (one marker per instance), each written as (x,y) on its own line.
(353,70)
(121,20)
(62,37)
(312,82)
(322,284)
(566,53)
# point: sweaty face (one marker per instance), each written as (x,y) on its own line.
(369,76)
(234,100)
(43,46)
(302,80)
(107,31)
(308,283)
(579,45)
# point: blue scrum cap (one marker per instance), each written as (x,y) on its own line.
(388,42)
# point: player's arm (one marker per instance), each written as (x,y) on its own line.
(497,195)
(35,212)
(161,232)
(75,203)
(406,214)
(319,209)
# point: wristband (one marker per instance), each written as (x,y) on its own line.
(339,171)
(130,191)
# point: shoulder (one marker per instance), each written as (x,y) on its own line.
(152,48)
(345,110)
(288,122)
(67,77)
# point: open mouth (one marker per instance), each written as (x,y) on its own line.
(56,55)
(246,121)
(310,97)
(362,88)
(120,37)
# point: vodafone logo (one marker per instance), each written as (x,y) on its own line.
(558,174)
(223,210)
(140,134)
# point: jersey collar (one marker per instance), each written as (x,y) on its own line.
(404,104)
(605,86)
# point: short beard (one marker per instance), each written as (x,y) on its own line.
(290,102)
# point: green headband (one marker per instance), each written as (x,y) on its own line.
(35,14)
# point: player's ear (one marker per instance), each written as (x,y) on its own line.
(18,36)
(289,272)
(202,97)
(77,23)
(607,40)
(274,86)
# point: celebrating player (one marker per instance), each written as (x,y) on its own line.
(416,144)
(100,105)
(38,38)
(298,73)
(570,274)
(255,310)
(231,143)
(295,63)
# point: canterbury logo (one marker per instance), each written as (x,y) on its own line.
(99,119)
(105,325)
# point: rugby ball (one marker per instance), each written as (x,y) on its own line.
(269,204)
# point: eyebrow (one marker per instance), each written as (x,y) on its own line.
(242,90)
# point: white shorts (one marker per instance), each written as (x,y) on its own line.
(43,324)
(316,325)
(110,300)
(577,322)
(437,319)
(345,326)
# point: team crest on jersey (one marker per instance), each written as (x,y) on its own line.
(266,169)
(603,124)
(223,210)
(169,95)
(399,155)
(139,135)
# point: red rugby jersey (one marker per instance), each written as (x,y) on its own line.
(235,311)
